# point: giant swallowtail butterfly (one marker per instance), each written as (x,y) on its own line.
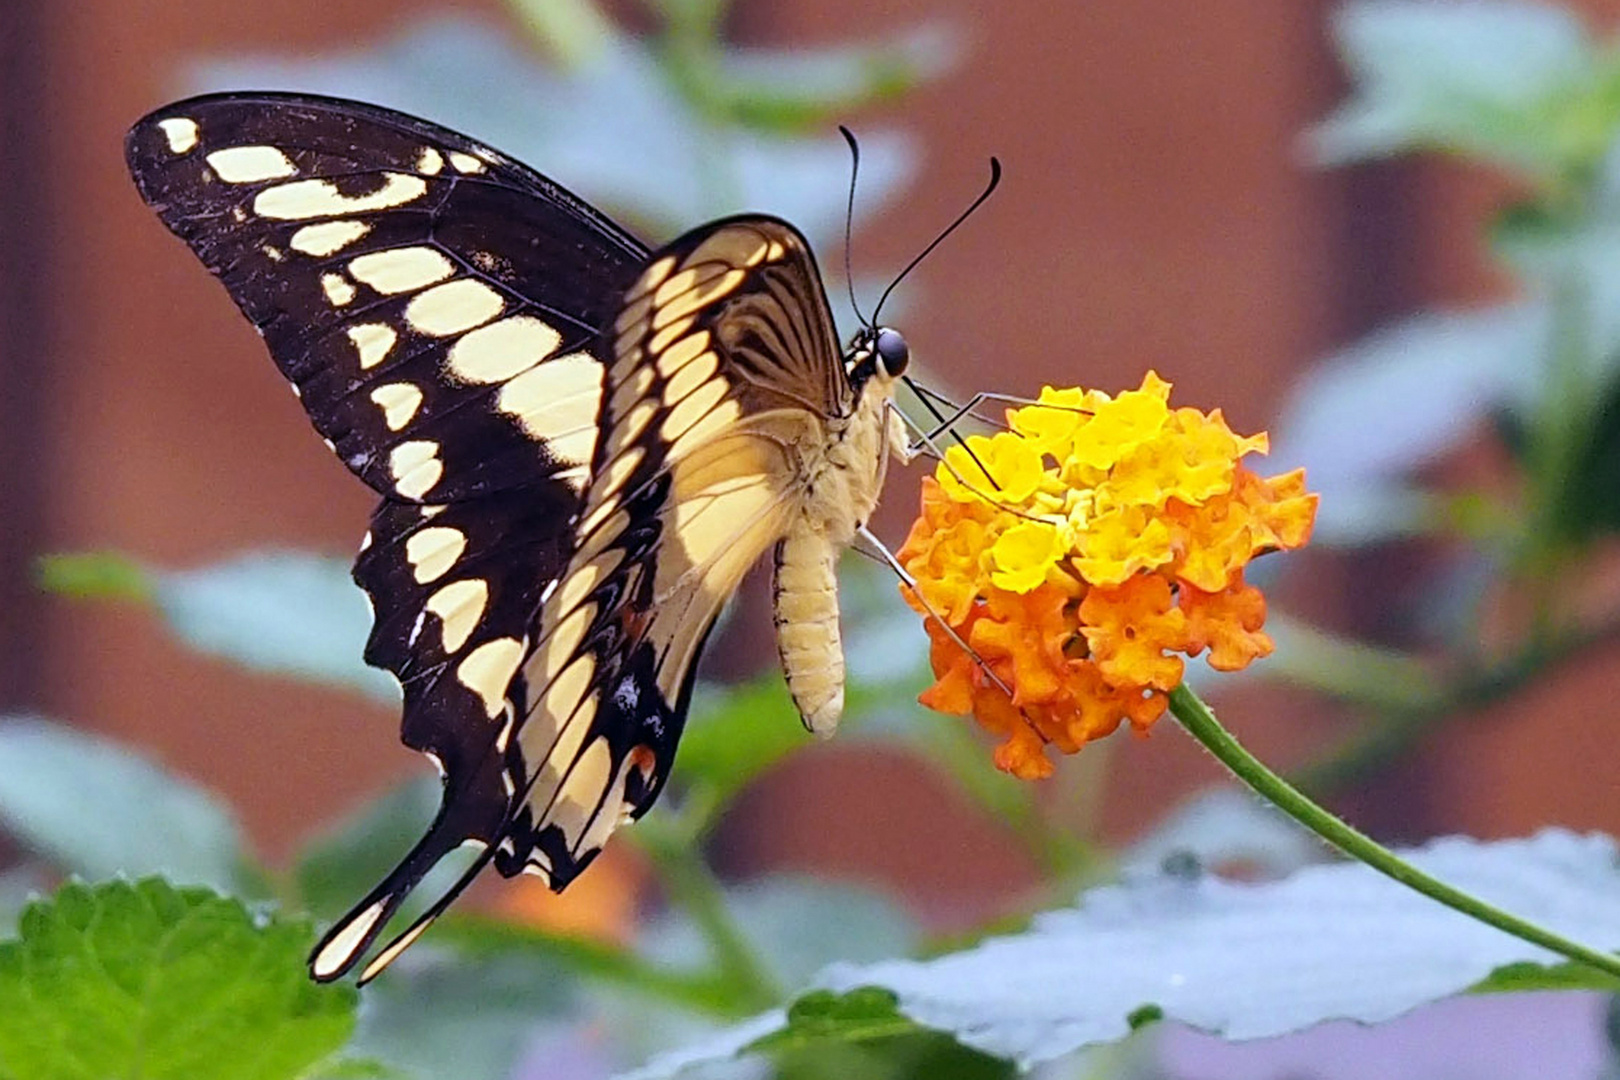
(581,444)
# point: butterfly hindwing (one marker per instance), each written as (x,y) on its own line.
(409,282)
(725,370)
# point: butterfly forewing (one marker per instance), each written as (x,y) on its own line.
(410,283)
(725,369)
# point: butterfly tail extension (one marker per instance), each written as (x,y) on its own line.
(464,819)
(807,632)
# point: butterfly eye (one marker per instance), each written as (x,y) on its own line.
(892,351)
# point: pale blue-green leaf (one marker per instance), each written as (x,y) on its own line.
(1370,414)
(797,927)
(1454,74)
(442,1016)
(1223,827)
(1243,961)
(610,127)
(284,612)
(96,809)
(1366,417)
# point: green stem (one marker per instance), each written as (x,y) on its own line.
(693,889)
(1200,722)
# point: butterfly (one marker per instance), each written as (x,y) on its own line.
(580,443)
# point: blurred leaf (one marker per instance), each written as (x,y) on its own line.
(1224,827)
(95,575)
(595,127)
(482,938)
(1512,82)
(1346,668)
(145,980)
(860,1036)
(97,809)
(1591,506)
(1244,961)
(342,864)
(866,1012)
(429,1018)
(283,612)
(734,734)
(573,32)
(1372,413)
(797,926)
(788,91)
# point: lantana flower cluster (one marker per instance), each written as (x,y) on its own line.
(1082,553)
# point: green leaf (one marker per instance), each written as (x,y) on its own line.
(866,1012)
(1516,83)
(283,612)
(1590,503)
(1243,961)
(96,809)
(734,734)
(95,575)
(144,980)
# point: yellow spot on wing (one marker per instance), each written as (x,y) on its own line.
(401,270)
(416,467)
(695,299)
(321,198)
(338,289)
(459,605)
(691,376)
(488,671)
(181,133)
(340,950)
(328,236)
(466,163)
(250,164)
(692,408)
(453,307)
(429,161)
(673,358)
(582,791)
(650,279)
(372,340)
(496,352)
(398,401)
(557,403)
(433,551)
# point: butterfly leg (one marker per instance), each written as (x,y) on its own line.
(927,444)
(887,557)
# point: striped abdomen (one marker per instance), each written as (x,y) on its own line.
(807,639)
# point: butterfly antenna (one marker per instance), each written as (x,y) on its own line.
(995,178)
(849,219)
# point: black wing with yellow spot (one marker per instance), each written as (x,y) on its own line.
(438,310)
(725,375)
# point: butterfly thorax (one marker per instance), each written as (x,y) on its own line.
(845,475)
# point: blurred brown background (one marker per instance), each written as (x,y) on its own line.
(1156,212)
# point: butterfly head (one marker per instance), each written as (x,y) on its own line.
(880,351)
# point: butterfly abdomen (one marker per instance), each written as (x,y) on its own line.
(807,637)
